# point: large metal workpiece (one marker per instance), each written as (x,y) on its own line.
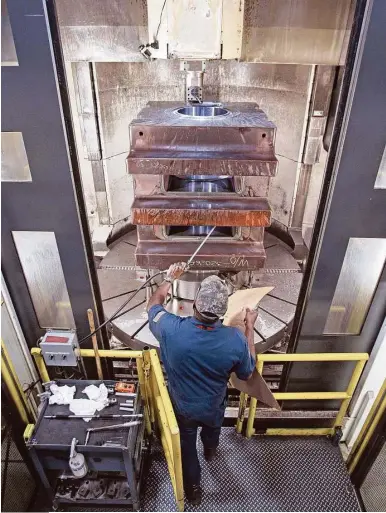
(118,275)
(195,167)
(236,139)
(198,166)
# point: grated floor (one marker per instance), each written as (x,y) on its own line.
(17,484)
(263,474)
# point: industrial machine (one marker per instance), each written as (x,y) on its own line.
(130,130)
(194,166)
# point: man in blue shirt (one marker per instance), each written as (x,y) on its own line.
(199,354)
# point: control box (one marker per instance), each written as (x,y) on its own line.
(59,348)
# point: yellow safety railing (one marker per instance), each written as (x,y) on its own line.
(345,397)
(166,423)
(9,375)
(158,407)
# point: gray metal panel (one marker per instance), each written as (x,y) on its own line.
(14,160)
(8,51)
(42,268)
(31,104)
(301,32)
(98,30)
(373,490)
(356,209)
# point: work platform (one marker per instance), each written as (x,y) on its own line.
(262,474)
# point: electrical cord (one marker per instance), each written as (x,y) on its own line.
(160,20)
(30,387)
(118,312)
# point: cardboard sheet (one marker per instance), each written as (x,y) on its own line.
(255,386)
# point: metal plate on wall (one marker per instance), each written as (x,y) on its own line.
(97,30)
(40,260)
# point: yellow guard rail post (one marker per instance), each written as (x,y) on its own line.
(360,358)
(166,423)
(8,374)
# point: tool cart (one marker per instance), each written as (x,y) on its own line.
(116,460)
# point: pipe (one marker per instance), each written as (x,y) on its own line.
(41,366)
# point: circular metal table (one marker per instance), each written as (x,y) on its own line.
(118,276)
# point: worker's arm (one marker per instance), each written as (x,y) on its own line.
(159,296)
(250,319)
(247,362)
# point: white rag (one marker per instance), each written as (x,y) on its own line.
(98,394)
(61,395)
(97,400)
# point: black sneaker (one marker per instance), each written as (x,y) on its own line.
(194,494)
(210,453)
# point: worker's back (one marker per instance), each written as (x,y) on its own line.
(198,358)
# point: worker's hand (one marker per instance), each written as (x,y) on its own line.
(175,271)
(250,317)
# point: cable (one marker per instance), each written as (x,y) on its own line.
(29,389)
(118,295)
(115,314)
(160,20)
(288,158)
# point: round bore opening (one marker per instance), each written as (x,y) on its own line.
(202,111)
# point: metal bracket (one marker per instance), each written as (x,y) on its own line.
(337,436)
(28,432)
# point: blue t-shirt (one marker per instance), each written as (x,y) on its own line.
(199,358)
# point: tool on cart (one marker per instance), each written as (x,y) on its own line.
(122,388)
(64,416)
(77,462)
(47,390)
(107,428)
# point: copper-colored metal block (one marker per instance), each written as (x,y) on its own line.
(195,171)
(241,142)
(230,256)
(201,210)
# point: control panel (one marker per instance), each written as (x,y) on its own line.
(59,348)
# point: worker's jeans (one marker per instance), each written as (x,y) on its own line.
(188,435)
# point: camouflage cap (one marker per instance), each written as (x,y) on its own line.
(212,297)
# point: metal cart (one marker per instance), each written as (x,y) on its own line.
(116,467)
